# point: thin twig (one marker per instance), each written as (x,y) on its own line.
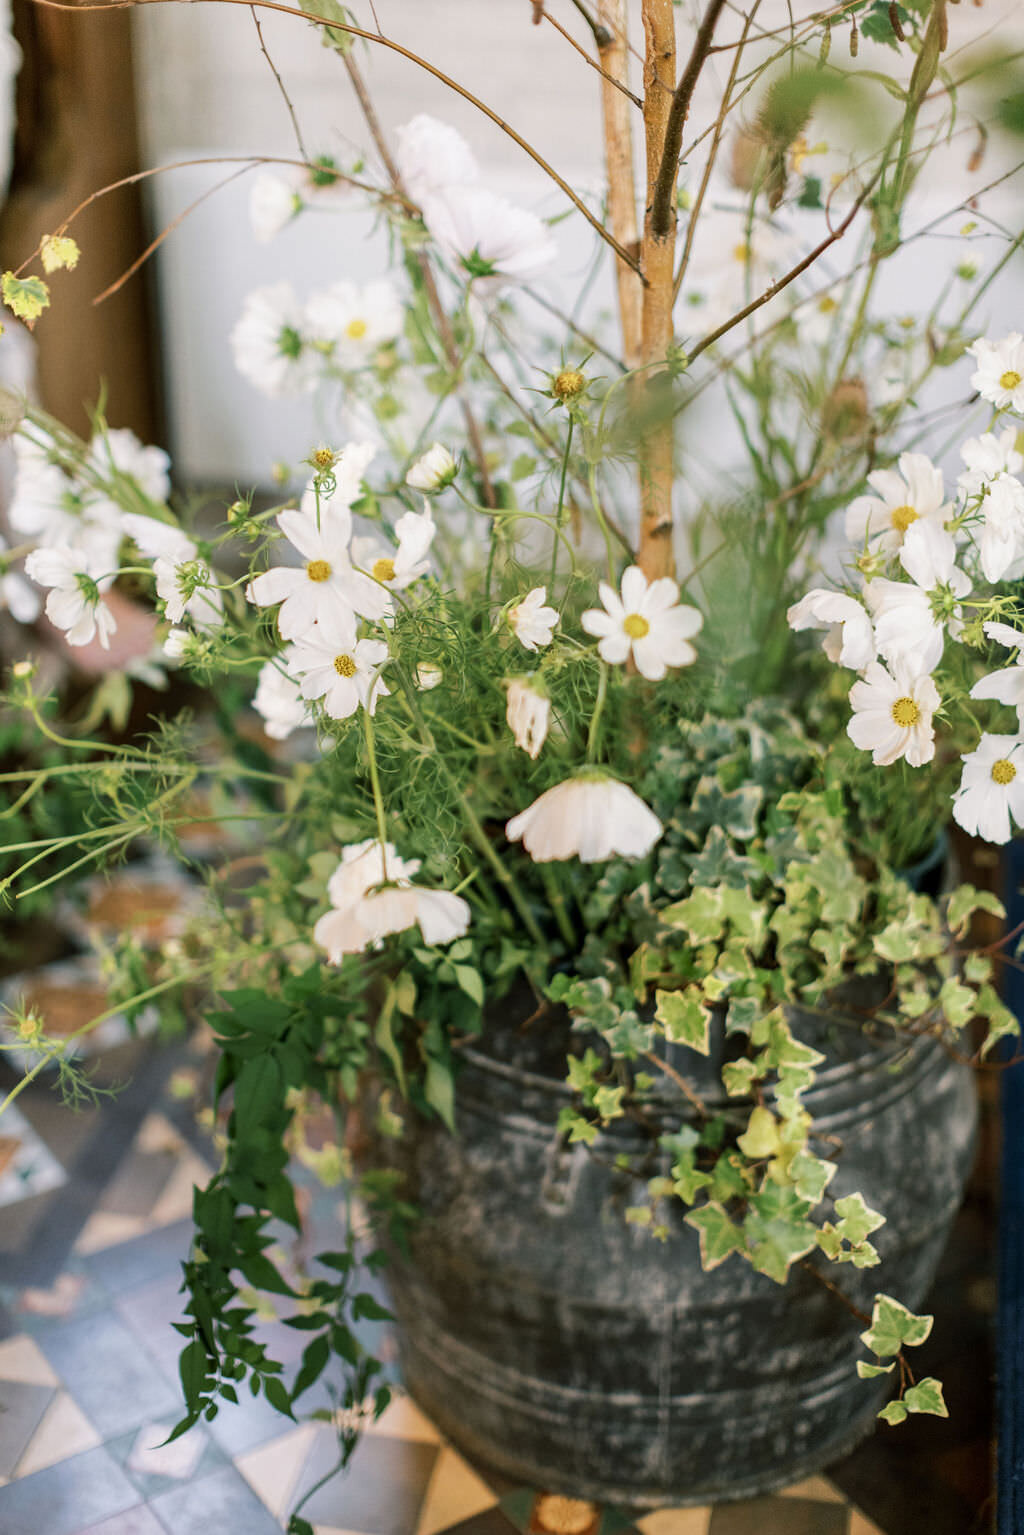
(592,61)
(663,210)
(680,1081)
(303,151)
(600,32)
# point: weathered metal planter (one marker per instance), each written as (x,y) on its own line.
(574,1352)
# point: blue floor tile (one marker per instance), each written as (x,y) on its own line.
(222,1502)
(115,1382)
(66,1498)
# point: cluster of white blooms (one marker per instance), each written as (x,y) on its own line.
(917,557)
(372,894)
(283,346)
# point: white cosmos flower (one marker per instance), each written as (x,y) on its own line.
(986,457)
(278,699)
(74,603)
(528,713)
(850,639)
(120,452)
(911,616)
(324,587)
(589,817)
(432,155)
(486,236)
(372,895)
(189,586)
(268,344)
(916,492)
(16,595)
(158,539)
(352,322)
(1000,539)
(342,673)
(647,620)
(1000,373)
(1005,686)
(178,643)
(892,715)
(273,203)
(393,569)
(531,622)
(53,508)
(992,788)
(433,471)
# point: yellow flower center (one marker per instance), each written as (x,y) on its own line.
(902,517)
(905,712)
(636,626)
(383,570)
(564,1516)
(323,458)
(1003,771)
(1010,379)
(345,666)
(355,330)
(827,305)
(741,252)
(318,570)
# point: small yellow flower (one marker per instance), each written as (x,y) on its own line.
(59,251)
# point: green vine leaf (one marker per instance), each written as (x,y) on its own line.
(685,1018)
(926,1396)
(893,1327)
(719,1236)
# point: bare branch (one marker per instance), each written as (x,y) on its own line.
(593,62)
(662,211)
(303,151)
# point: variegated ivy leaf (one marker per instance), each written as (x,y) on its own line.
(778,1231)
(700,915)
(734,810)
(893,1326)
(977,968)
(857,1219)
(893,1412)
(870,1371)
(685,1018)
(965,901)
(902,941)
(761,1138)
(719,1236)
(731,1178)
(959,1003)
(576,1127)
(1001,1022)
(926,1396)
(689,1180)
(811,1175)
(741,1014)
(718,863)
(739,1076)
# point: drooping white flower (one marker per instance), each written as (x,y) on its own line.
(119,451)
(917,492)
(54,508)
(428,676)
(397,568)
(531,622)
(646,620)
(992,788)
(487,237)
(850,640)
(987,457)
(278,699)
(892,715)
(911,616)
(342,673)
(433,471)
(189,586)
(1005,686)
(528,713)
(999,377)
(268,344)
(273,203)
(324,587)
(432,155)
(74,603)
(372,895)
(16,595)
(351,322)
(1000,538)
(590,817)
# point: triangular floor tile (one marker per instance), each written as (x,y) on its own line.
(455,1493)
(21,1359)
(63,1432)
(272,1471)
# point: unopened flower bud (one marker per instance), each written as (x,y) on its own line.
(436,469)
(846,412)
(323,459)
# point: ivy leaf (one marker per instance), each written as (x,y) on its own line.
(700,915)
(926,1396)
(738,1077)
(870,1371)
(685,1017)
(778,1231)
(959,1002)
(811,1175)
(26,297)
(892,1326)
(761,1137)
(893,1412)
(965,901)
(718,1235)
(858,1220)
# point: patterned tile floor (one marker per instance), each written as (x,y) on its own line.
(94,1220)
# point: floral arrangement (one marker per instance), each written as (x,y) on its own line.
(499,737)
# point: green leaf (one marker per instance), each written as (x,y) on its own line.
(470,981)
(761,1137)
(718,1235)
(192,1370)
(739,1076)
(366,1309)
(870,1371)
(893,1412)
(439,1089)
(778,1231)
(811,1175)
(261,1273)
(385,1036)
(314,1362)
(965,901)
(926,1396)
(858,1220)
(685,1018)
(276,1394)
(892,1326)
(258,1094)
(700,915)
(959,1002)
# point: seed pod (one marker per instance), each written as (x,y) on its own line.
(894,21)
(826,43)
(854,39)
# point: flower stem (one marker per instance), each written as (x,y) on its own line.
(595,718)
(561,506)
(378,798)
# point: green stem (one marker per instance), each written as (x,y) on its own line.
(561,505)
(602,524)
(378,798)
(595,718)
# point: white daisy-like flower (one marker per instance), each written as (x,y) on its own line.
(486,236)
(590,817)
(341,672)
(16,594)
(647,621)
(992,788)
(350,322)
(372,895)
(349,467)
(1005,686)
(323,588)
(178,643)
(119,451)
(892,715)
(532,623)
(397,568)
(273,203)
(917,492)
(911,616)
(1000,538)
(157,539)
(433,471)
(51,507)
(268,344)
(74,603)
(1000,373)
(850,637)
(278,699)
(189,586)
(432,155)
(987,457)
(528,713)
